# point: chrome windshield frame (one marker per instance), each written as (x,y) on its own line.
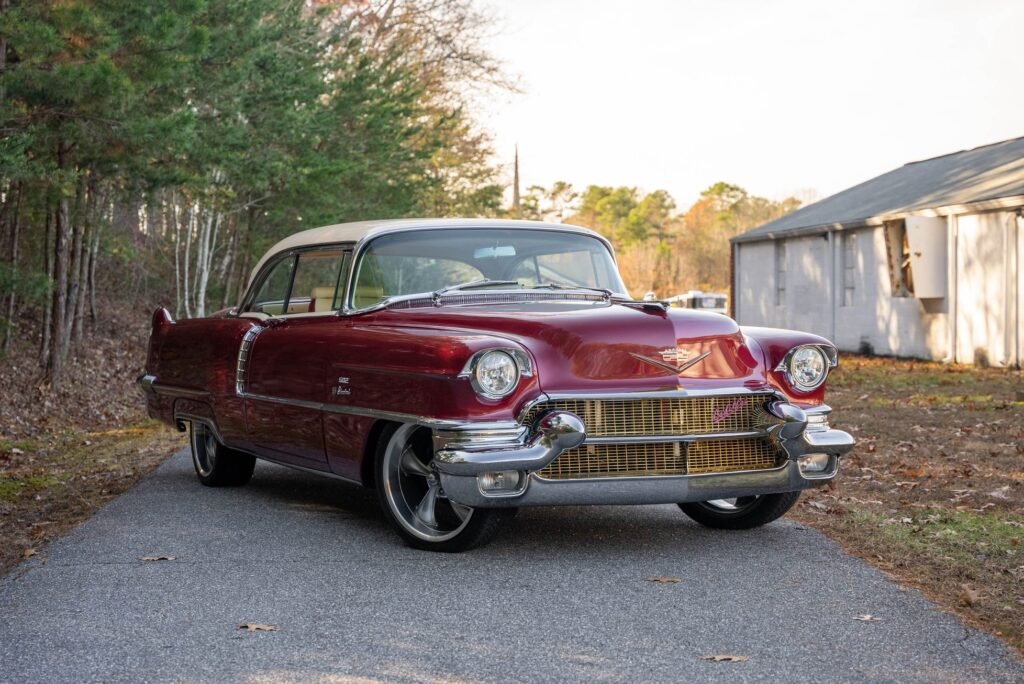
(360,248)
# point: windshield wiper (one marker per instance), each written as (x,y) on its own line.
(471,285)
(559,286)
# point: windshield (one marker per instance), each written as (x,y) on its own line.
(412,262)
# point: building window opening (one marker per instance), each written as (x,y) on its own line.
(849,268)
(901,277)
(780,273)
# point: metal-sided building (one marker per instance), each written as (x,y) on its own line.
(923,261)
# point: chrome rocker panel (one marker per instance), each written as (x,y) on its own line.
(459,460)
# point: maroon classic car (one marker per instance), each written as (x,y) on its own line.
(465,368)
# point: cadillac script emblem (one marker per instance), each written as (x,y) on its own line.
(675,361)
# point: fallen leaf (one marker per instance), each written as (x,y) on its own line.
(156,558)
(867,618)
(257,627)
(1001,493)
(28,553)
(968,596)
(724,658)
(664,580)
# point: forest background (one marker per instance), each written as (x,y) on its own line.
(151,151)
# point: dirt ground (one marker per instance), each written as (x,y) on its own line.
(49,484)
(934,491)
(64,454)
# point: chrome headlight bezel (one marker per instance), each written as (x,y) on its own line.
(521,361)
(830,359)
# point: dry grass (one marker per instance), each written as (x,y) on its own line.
(934,491)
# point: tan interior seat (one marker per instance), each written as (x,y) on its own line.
(323,298)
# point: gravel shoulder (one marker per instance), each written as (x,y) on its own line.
(561,595)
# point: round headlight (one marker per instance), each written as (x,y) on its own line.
(808,367)
(496,374)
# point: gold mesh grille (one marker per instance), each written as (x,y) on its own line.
(618,460)
(675,416)
(662,458)
(723,456)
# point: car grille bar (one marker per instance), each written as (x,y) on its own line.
(699,415)
(665,436)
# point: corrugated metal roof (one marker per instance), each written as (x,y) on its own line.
(984,173)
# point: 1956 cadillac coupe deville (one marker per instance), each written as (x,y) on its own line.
(465,368)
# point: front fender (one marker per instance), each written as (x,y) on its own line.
(774,344)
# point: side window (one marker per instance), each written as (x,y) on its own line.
(274,291)
(315,288)
(307,283)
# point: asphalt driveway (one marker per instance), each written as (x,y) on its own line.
(562,595)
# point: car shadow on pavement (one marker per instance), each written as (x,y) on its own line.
(582,530)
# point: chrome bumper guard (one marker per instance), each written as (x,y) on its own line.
(461,454)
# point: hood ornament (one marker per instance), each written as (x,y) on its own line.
(675,360)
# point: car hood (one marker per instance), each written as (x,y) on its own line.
(596,346)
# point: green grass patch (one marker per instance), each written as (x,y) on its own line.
(960,536)
(26,445)
(11,488)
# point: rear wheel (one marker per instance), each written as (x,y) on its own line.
(216,465)
(741,513)
(410,494)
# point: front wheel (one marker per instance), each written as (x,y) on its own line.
(741,513)
(410,494)
(215,464)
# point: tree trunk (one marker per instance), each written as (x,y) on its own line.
(177,255)
(210,242)
(228,269)
(86,226)
(12,300)
(44,351)
(74,270)
(93,253)
(186,280)
(58,348)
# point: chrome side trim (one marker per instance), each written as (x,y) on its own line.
(304,469)
(243,357)
(425,421)
(508,436)
(178,391)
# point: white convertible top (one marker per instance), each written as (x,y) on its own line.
(361,230)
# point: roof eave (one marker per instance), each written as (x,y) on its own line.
(1010,202)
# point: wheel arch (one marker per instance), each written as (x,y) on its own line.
(367,469)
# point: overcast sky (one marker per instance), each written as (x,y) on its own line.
(777,97)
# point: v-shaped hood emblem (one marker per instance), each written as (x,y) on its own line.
(671,355)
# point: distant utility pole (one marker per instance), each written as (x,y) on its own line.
(516,212)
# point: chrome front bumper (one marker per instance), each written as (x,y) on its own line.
(462,454)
